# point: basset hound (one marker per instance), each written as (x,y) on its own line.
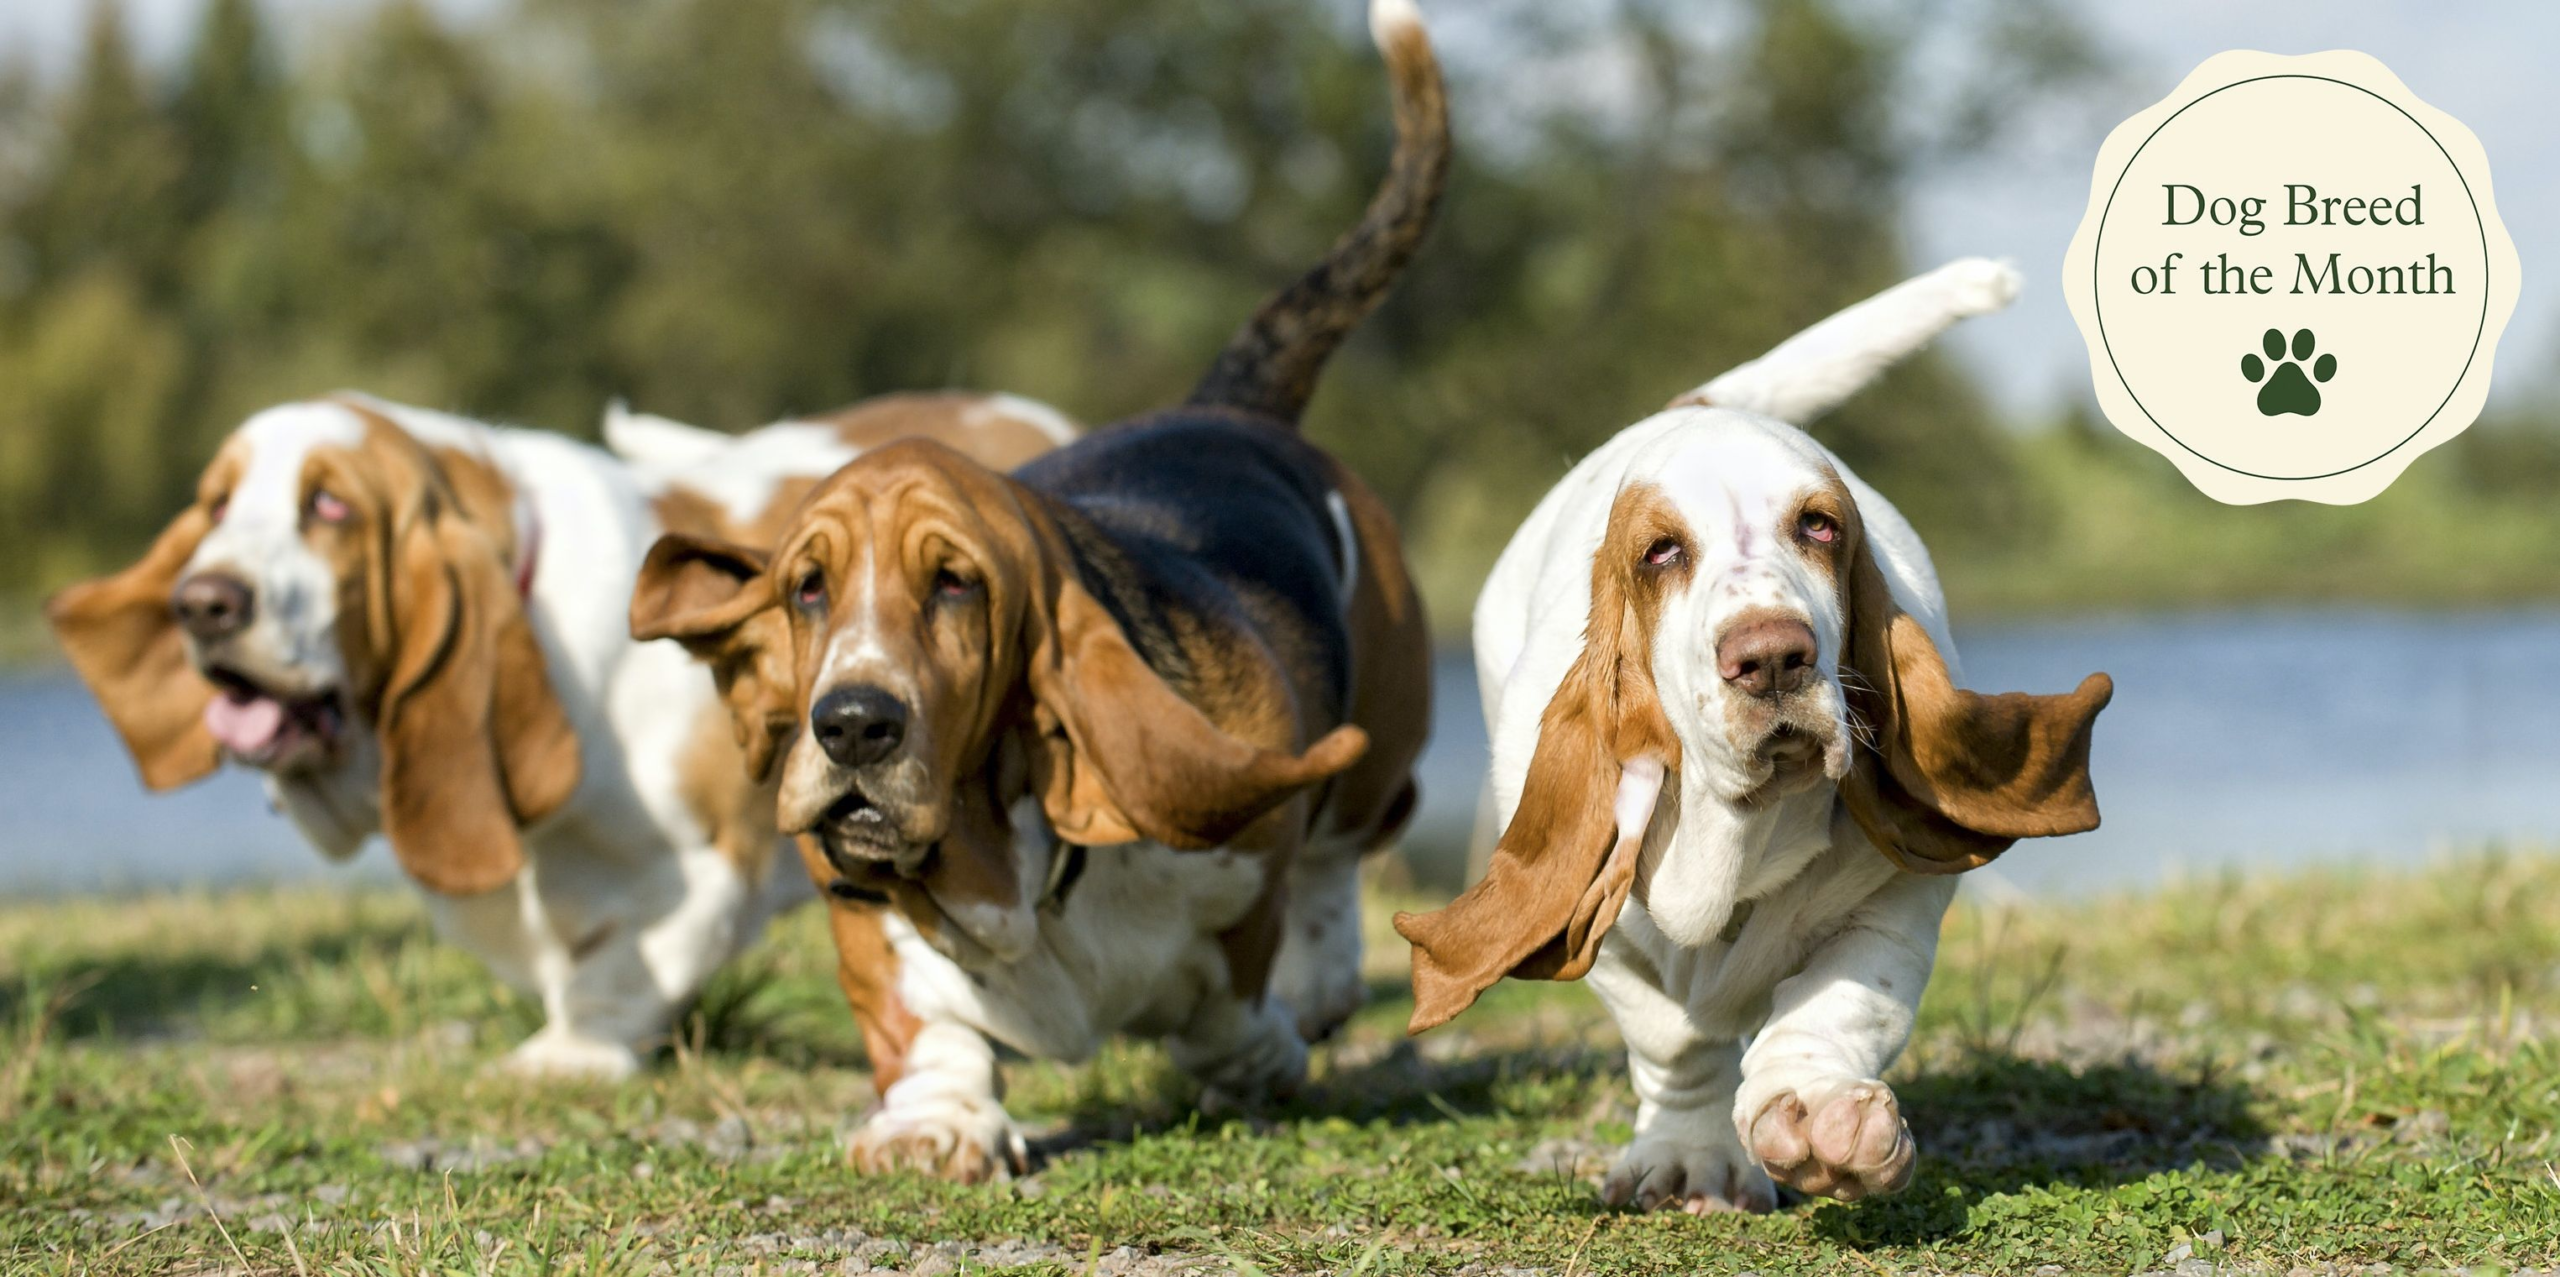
(1737,764)
(415,625)
(742,485)
(1104,739)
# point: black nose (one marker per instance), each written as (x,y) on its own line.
(858,726)
(212,605)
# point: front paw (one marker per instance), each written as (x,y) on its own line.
(1702,1177)
(967,1141)
(1848,1144)
(561,1055)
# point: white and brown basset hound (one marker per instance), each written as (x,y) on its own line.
(1103,740)
(415,625)
(743,484)
(1737,766)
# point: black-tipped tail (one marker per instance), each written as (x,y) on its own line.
(1270,365)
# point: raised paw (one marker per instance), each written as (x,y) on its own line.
(965,1141)
(1701,1178)
(1851,1145)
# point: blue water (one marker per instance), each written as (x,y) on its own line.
(75,817)
(2234,740)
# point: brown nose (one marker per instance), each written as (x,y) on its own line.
(212,605)
(1771,656)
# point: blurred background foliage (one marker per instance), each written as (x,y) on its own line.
(734,210)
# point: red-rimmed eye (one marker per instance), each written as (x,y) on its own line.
(220,507)
(812,589)
(1817,526)
(952,585)
(1663,553)
(328,508)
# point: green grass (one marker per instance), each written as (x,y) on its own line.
(2115,527)
(2320,1071)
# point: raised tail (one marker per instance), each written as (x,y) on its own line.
(1270,365)
(1809,374)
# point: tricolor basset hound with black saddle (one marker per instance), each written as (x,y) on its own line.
(415,625)
(1107,737)
(1737,765)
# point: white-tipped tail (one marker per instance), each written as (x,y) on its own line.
(658,442)
(1389,17)
(1809,374)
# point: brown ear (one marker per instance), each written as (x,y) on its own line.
(124,641)
(474,743)
(712,597)
(1946,779)
(1564,865)
(1124,756)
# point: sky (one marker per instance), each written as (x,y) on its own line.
(2485,63)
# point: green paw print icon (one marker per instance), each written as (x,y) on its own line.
(2287,389)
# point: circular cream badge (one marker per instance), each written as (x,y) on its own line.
(2291,277)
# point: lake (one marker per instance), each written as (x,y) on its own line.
(2235,740)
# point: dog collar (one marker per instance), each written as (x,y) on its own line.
(529,547)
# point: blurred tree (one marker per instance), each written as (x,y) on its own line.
(230,116)
(731,210)
(103,199)
(90,361)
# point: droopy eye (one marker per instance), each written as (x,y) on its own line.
(1663,553)
(326,507)
(812,589)
(1817,526)
(221,506)
(952,585)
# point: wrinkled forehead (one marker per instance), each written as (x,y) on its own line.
(896,495)
(1731,473)
(262,467)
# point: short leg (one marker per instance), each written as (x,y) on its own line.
(599,1003)
(1685,1153)
(867,970)
(1812,1106)
(1244,1053)
(612,951)
(601,1008)
(944,1117)
(1317,972)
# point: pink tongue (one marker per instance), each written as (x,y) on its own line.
(244,726)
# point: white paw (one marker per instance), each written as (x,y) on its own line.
(561,1055)
(1317,972)
(1702,1171)
(1845,1141)
(966,1140)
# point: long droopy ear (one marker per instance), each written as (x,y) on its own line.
(1565,864)
(1122,755)
(1944,779)
(712,597)
(474,742)
(124,641)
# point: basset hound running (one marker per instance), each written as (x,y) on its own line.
(1103,740)
(415,625)
(1727,718)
